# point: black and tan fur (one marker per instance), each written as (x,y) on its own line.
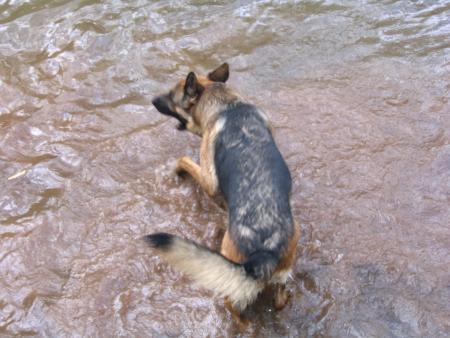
(238,158)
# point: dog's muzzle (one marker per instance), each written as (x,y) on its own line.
(161,104)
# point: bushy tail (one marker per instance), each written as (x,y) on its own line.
(241,283)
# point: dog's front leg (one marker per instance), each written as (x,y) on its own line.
(205,173)
(208,184)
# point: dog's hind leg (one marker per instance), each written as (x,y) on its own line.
(237,316)
(281,295)
(284,270)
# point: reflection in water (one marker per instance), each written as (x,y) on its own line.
(358,95)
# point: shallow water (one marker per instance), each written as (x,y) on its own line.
(358,92)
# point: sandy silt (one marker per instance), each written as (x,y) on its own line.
(240,160)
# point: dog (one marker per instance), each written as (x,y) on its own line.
(240,160)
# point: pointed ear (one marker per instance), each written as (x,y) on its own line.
(191,87)
(220,74)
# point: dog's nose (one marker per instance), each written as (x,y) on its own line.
(157,102)
(161,104)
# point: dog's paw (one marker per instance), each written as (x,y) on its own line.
(181,173)
(282,297)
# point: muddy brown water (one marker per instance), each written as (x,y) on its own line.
(358,92)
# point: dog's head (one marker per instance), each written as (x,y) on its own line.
(182,98)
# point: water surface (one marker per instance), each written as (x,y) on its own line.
(358,92)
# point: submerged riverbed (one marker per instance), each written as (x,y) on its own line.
(358,92)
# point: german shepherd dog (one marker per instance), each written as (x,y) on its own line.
(238,158)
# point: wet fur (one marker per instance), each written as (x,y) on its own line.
(238,158)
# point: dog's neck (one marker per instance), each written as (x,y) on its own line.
(215,98)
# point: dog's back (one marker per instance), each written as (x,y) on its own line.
(256,183)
